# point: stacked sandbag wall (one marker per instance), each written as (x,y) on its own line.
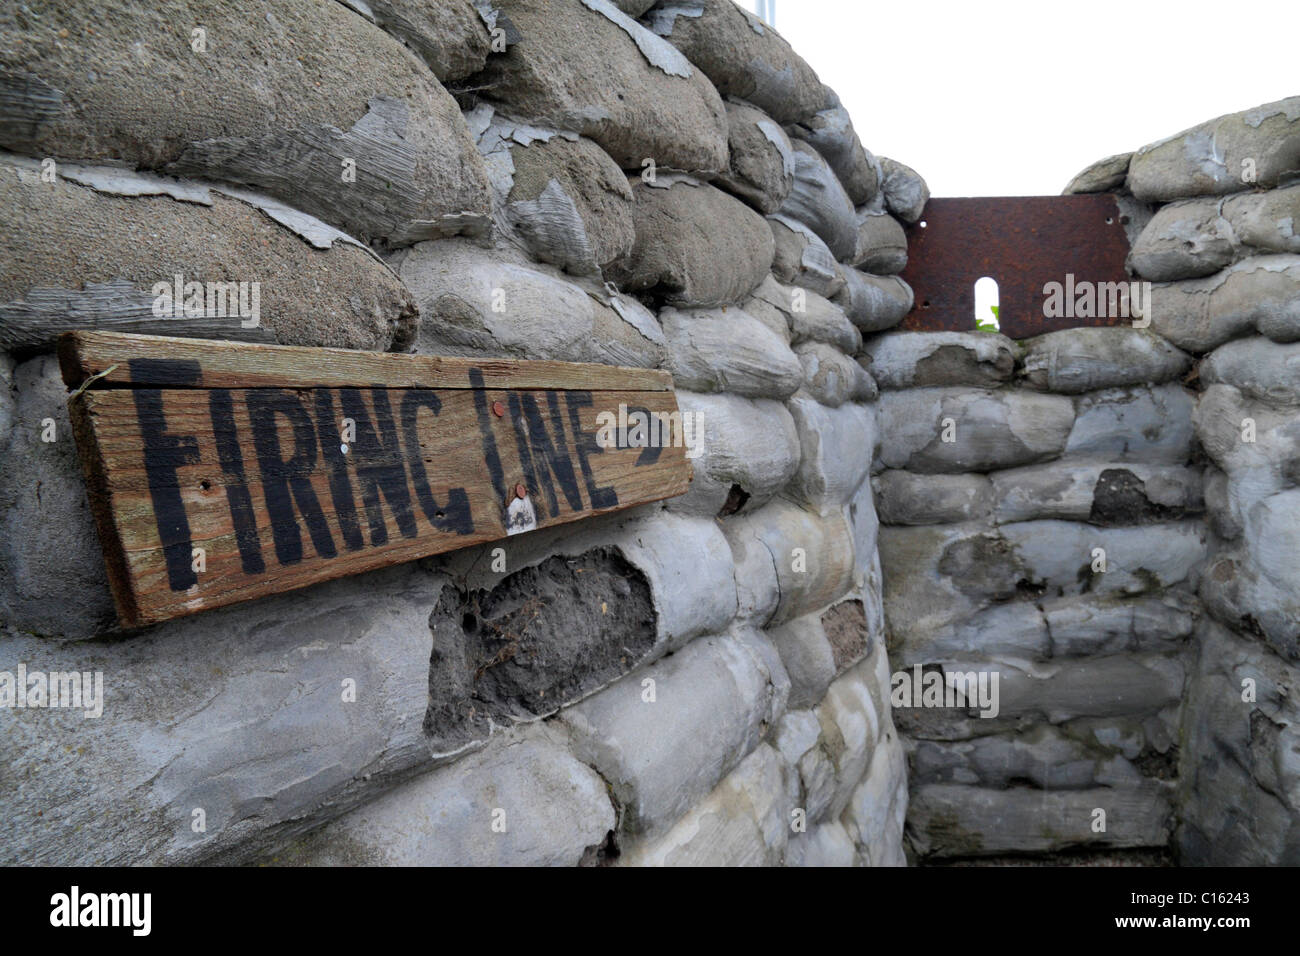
(660,185)
(1104,518)
(1223,252)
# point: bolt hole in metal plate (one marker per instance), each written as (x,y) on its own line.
(1023,242)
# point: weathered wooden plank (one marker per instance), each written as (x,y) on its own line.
(166,362)
(209,496)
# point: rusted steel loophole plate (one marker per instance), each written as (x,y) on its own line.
(1023,242)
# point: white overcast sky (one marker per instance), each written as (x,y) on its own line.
(1014,98)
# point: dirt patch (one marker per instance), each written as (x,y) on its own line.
(958,365)
(946,832)
(543,637)
(1030,590)
(1161,766)
(1265,739)
(1291,471)
(601,854)
(981,565)
(1119,498)
(846,628)
(1250,625)
(736,499)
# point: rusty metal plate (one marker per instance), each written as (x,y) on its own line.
(1024,243)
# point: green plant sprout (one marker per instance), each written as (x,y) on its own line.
(985,325)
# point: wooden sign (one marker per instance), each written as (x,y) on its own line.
(220,472)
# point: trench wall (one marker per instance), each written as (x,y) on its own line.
(654,185)
(1110,527)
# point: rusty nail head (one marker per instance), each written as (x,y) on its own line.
(498,409)
(521,491)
